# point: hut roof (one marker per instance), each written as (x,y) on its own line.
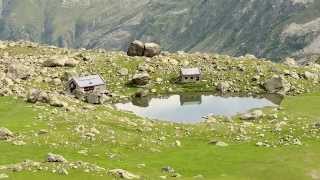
(190,71)
(87,81)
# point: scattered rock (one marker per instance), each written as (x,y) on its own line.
(311,76)
(254,115)
(55,158)
(141,79)
(218,143)
(178,143)
(223,87)
(55,102)
(168,169)
(200,176)
(123,72)
(63,171)
(3,176)
(5,134)
(123,174)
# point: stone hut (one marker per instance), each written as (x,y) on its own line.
(86,84)
(190,75)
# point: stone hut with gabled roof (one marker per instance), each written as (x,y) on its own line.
(87,84)
(190,75)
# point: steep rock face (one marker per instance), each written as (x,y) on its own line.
(273,28)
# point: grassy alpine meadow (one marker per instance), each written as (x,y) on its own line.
(146,152)
(46,133)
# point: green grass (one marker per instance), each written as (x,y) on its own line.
(240,160)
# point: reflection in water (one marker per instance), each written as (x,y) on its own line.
(189,108)
(190,99)
(275,98)
(141,101)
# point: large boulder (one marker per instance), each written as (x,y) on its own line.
(5,133)
(151,49)
(290,62)
(55,61)
(33,95)
(36,95)
(70,62)
(56,102)
(311,76)
(141,79)
(18,71)
(136,48)
(277,85)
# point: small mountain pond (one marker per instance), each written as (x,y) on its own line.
(190,108)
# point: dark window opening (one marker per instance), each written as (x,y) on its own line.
(72,87)
(198,78)
(91,88)
(192,78)
(185,77)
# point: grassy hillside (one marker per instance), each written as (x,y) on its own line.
(95,139)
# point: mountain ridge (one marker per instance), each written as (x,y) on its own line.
(272,29)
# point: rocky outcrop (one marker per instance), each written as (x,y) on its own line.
(18,71)
(277,85)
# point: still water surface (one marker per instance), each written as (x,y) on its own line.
(191,108)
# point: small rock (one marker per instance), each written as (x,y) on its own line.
(55,158)
(123,174)
(219,143)
(3,176)
(5,134)
(223,87)
(168,169)
(254,115)
(123,72)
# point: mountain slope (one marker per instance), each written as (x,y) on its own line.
(273,28)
